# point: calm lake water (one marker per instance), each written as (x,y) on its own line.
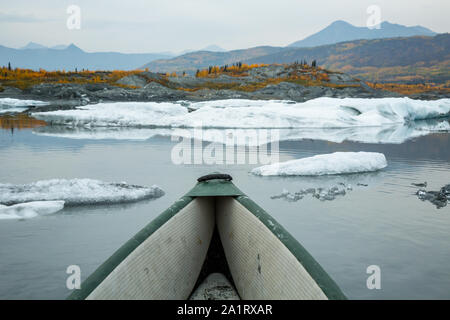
(383,223)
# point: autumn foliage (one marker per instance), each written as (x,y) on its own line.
(235,70)
(24,78)
(300,73)
(408,89)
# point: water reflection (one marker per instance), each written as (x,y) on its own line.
(19,121)
(392,134)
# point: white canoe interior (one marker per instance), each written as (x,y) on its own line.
(213,243)
(168,263)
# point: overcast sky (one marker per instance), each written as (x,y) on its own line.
(176,25)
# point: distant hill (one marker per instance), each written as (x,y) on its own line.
(59,47)
(340,31)
(33,45)
(35,56)
(202,59)
(413,59)
(213,48)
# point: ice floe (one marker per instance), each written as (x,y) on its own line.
(30,209)
(76,192)
(438,198)
(326,164)
(323,194)
(235,113)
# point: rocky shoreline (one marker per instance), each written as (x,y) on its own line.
(148,86)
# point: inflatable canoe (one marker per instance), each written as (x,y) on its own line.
(213,243)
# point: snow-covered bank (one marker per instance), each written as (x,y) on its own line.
(13,103)
(18,105)
(30,209)
(76,192)
(326,164)
(12,110)
(235,113)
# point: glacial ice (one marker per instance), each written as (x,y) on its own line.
(18,105)
(235,113)
(326,164)
(29,210)
(117,114)
(76,192)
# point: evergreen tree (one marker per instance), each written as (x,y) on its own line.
(9,66)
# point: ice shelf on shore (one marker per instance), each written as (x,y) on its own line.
(235,113)
(76,192)
(18,105)
(326,164)
(117,114)
(29,210)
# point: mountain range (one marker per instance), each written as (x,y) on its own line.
(340,31)
(403,59)
(391,53)
(61,57)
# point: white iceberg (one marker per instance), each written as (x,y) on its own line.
(30,209)
(76,192)
(235,113)
(326,164)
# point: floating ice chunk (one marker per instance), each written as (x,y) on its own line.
(30,209)
(325,164)
(438,198)
(76,192)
